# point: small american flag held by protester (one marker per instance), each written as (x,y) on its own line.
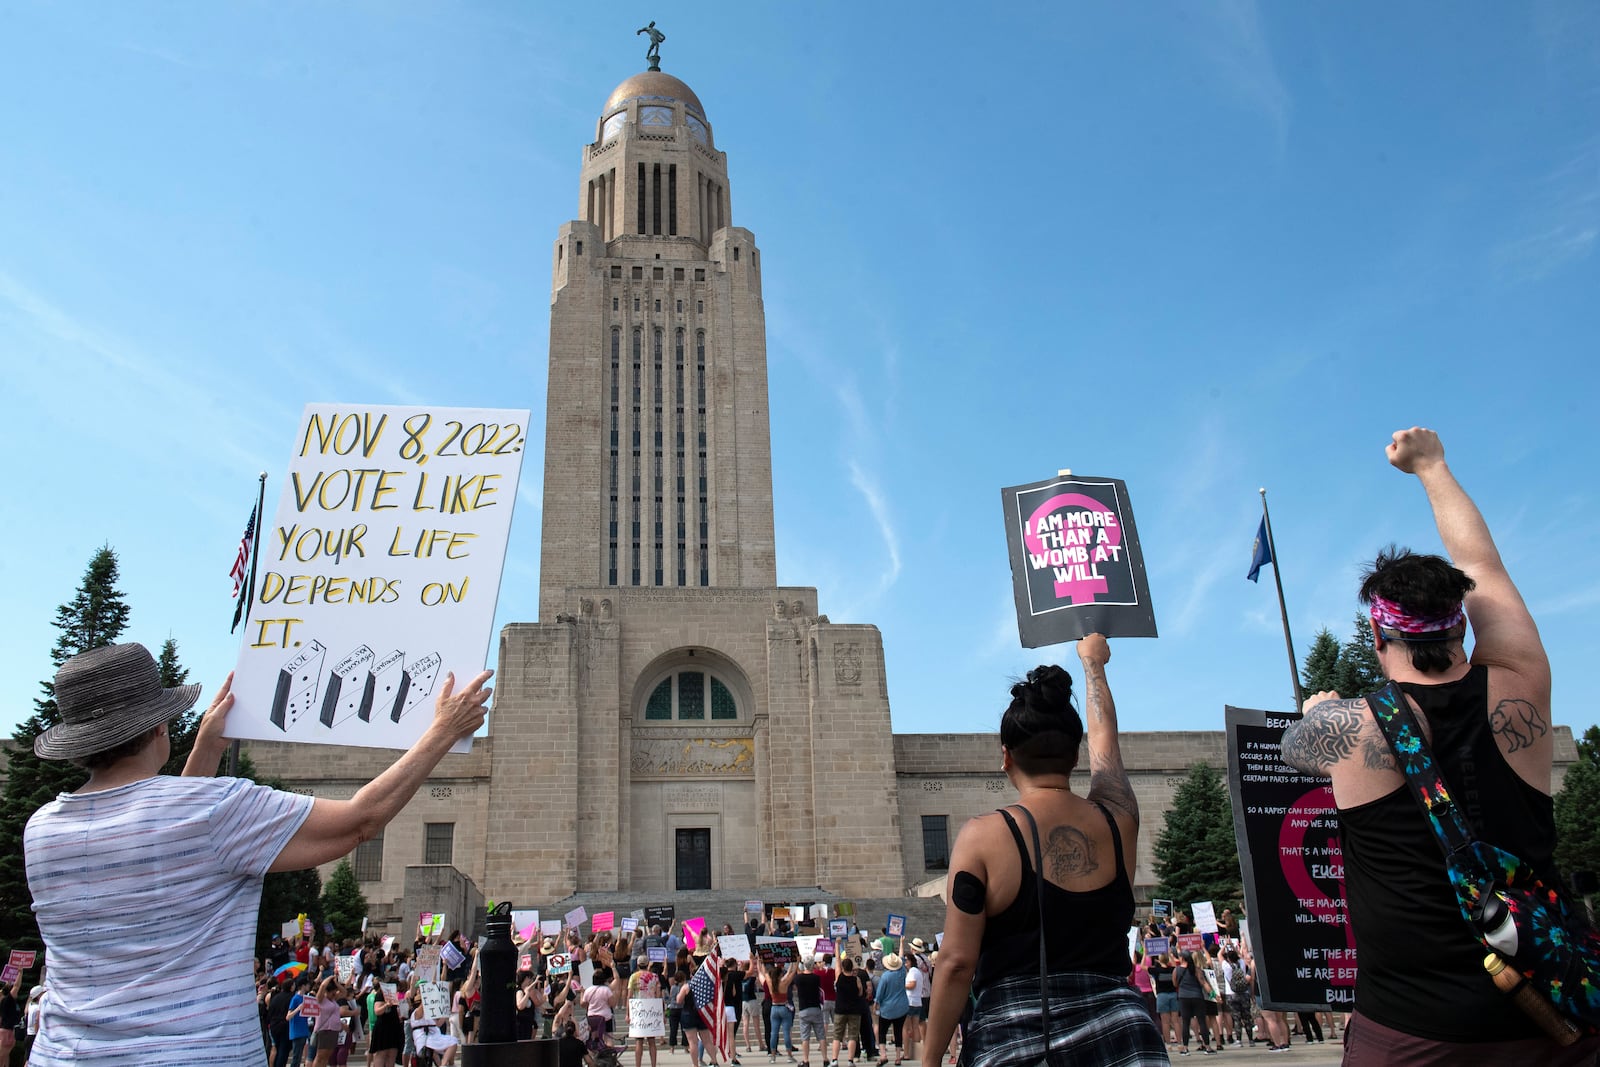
(241,562)
(706,988)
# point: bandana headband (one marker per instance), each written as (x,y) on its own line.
(1391,616)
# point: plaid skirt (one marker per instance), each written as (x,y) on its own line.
(1094,1019)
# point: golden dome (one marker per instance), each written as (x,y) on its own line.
(652,84)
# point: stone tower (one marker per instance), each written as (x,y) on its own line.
(675,719)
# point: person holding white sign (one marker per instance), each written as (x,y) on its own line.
(181,858)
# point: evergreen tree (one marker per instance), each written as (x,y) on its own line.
(181,730)
(95,616)
(1321,670)
(1578,810)
(1196,854)
(1359,673)
(343,904)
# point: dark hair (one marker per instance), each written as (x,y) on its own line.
(95,761)
(1424,585)
(1041,729)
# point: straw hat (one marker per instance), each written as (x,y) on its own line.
(107,696)
(891,962)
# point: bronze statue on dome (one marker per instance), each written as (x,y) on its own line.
(656,37)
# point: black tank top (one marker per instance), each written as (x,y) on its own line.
(1087,931)
(1419,967)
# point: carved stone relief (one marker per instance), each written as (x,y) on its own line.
(693,757)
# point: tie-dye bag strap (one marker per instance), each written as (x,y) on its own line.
(1505,903)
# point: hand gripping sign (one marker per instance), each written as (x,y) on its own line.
(1076,567)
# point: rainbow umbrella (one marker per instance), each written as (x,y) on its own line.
(292,969)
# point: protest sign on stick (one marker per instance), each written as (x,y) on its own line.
(1293,869)
(379,572)
(525,921)
(1076,568)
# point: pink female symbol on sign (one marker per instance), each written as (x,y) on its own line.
(1069,533)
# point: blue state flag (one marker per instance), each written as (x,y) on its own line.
(1261,555)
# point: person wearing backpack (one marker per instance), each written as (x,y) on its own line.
(1239,997)
(1421,990)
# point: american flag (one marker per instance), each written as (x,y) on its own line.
(241,562)
(706,988)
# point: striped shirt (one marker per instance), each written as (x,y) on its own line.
(147,897)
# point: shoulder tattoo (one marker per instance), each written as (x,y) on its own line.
(1326,735)
(1069,851)
(1376,755)
(1517,724)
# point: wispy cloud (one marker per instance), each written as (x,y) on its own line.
(869,490)
(139,382)
(1235,42)
(1562,221)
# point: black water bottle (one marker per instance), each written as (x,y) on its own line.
(497,972)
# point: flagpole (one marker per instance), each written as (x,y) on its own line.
(1283,610)
(261,520)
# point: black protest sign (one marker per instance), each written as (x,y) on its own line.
(1076,568)
(659,915)
(777,951)
(1288,834)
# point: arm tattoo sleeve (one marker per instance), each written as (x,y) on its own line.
(1516,724)
(1326,735)
(1109,784)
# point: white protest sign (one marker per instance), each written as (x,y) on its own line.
(559,963)
(1205,916)
(291,930)
(387,943)
(378,574)
(806,943)
(549,927)
(576,917)
(345,968)
(646,1018)
(586,973)
(426,966)
(435,1000)
(391,992)
(630,924)
(525,922)
(734,946)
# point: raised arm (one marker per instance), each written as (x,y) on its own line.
(1504,634)
(335,827)
(206,753)
(1108,778)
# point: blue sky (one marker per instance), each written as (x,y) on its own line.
(1200,247)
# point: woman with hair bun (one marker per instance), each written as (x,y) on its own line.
(992,931)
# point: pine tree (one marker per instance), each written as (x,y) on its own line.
(182,729)
(343,904)
(1321,670)
(95,616)
(1359,672)
(1196,854)
(1578,810)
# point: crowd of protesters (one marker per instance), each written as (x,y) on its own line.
(824,1010)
